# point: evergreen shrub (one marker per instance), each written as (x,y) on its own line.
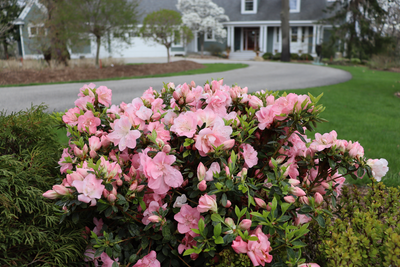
(30,232)
(294,56)
(306,57)
(366,231)
(277,56)
(267,56)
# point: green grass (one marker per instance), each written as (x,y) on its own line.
(210,68)
(365,109)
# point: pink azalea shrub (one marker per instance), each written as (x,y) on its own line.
(182,176)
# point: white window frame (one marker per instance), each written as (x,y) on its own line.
(297,9)
(212,39)
(297,34)
(40,25)
(180,44)
(255,6)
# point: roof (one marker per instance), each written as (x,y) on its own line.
(27,9)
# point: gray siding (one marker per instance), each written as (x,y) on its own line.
(31,44)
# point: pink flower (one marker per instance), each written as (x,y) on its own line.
(239,246)
(214,168)
(86,90)
(355,150)
(379,168)
(107,261)
(185,124)
(90,189)
(258,251)
(266,116)
(309,265)
(153,207)
(324,141)
(207,138)
(162,133)
(99,226)
(94,145)
(249,155)
(218,102)
(207,203)
(318,198)
(88,122)
(70,117)
(61,162)
(83,101)
(122,135)
(301,219)
(104,95)
(187,242)
(187,219)
(150,260)
(160,173)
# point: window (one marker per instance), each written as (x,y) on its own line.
(249,6)
(36,30)
(294,34)
(209,35)
(294,6)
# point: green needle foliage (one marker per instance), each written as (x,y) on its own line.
(30,232)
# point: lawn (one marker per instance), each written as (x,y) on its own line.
(365,109)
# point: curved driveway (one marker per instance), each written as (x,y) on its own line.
(258,76)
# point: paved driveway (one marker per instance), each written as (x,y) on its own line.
(258,76)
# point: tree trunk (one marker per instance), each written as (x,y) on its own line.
(202,44)
(98,42)
(285,56)
(168,57)
(5,48)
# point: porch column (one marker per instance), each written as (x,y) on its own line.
(261,39)
(265,38)
(241,39)
(314,39)
(196,49)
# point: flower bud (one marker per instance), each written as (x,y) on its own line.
(228,204)
(318,198)
(289,199)
(304,200)
(111,198)
(245,225)
(230,222)
(176,95)
(85,149)
(78,152)
(201,171)
(261,203)
(297,191)
(140,188)
(229,144)
(51,194)
(202,186)
(294,182)
(134,185)
(62,190)
(155,218)
(166,149)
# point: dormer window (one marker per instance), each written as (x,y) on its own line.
(294,6)
(249,6)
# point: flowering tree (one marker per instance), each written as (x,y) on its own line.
(201,175)
(203,16)
(164,27)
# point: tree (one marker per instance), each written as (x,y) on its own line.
(203,16)
(163,27)
(285,55)
(9,11)
(101,18)
(357,22)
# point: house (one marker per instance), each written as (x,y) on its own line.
(253,24)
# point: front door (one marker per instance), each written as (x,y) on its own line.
(250,38)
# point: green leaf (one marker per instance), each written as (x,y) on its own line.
(274,204)
(108,211)
(109,252)
(305,209)
(115,264)
(219,240)
(186,153)
(320,220)
(142,204)
(217,230)
(132,258)
(201,225)
(75,218)
(253,238)
(215,217)
(224,199)
(109,187)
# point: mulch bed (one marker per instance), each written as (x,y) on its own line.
(48,75)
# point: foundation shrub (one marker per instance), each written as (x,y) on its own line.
(306,57)
(30,233)
(267,56)
(294,56)
(366,230)
(277,56)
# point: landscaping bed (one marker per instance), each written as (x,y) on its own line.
(49,75)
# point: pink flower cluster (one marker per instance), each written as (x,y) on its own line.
(161,146)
